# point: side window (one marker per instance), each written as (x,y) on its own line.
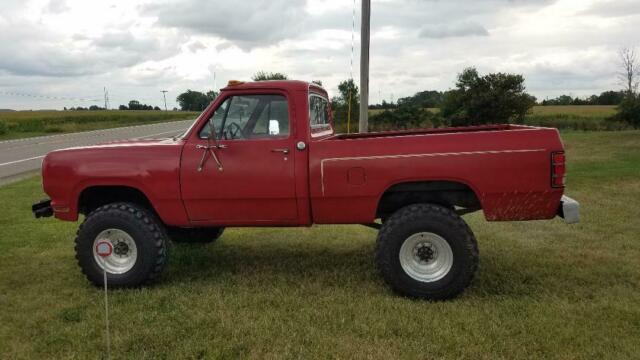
(274,119)
(319,114)
(250,117)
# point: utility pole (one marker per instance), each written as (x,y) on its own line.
(215,80)
(364,66)
(106,99)
(164,94)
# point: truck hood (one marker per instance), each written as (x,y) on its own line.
(119,156)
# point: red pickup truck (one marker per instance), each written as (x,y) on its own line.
(265,154)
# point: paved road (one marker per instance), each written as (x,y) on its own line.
(23,156)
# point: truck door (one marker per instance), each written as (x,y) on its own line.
(255,183)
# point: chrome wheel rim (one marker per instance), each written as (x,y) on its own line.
(426,257)
(124,255)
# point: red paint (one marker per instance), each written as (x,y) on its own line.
(335,179)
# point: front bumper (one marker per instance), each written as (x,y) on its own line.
(42,209)
(569,210)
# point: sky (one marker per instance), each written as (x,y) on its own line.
(63,53)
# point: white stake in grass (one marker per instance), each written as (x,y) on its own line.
(104,249)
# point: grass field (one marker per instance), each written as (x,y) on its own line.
(22,124)
(543,289)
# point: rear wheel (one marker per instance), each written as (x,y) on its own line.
(195,235)
(138,240)
(427,251)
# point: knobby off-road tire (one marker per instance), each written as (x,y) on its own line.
(196,235)
(139,243)
(440,254)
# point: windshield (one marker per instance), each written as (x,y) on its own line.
(193,124)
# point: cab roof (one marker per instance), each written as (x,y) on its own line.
(290,85)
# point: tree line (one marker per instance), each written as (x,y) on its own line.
(606,98)
(484,99)
(476,99)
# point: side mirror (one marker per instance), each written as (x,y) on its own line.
(274,127)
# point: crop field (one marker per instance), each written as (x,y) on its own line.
(579,110)
(543,289)
(570,117)
(22,124)
(574,117)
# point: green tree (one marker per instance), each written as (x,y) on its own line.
(211,95)
(195,100)
(264,76)
(493,98)
(629,110)
(406,115)
(425,99)
(610,98)
(347,90)
(134,105)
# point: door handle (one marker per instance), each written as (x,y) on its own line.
(284,151)
(219,146)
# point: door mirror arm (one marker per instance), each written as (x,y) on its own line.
(212,143)
(209,150)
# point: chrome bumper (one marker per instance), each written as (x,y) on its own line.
(569,210)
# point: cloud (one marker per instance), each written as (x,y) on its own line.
(196,46)
(453,30)
(37,53)
(138,47)
(617,8)
(125,40)
(57,6)
(248,24)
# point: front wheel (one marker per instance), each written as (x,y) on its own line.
(138,240)
(427,251)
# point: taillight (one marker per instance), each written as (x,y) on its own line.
(558,169)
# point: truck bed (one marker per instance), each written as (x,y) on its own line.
(449,130)
(508,168)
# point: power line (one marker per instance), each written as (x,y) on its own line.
(49,97)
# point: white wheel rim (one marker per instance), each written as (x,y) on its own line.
(426,257)
(124,255)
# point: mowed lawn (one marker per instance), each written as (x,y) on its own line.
(543,289)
